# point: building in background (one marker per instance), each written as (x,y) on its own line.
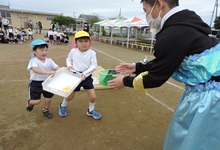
(84,20)
(20,18)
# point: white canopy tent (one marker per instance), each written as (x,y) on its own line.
(112,24)
(133,22)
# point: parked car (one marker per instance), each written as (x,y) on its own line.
(215,33)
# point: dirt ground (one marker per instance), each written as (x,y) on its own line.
(130,120)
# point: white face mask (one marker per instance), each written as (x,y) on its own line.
(153,23)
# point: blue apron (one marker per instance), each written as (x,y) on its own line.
(195,124)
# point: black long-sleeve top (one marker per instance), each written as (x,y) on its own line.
(183,34)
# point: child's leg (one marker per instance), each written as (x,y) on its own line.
(47,103)
(92,97)
(34,102)
(62,107)
(91,111)
(31,104)
(45,110)
(67,99)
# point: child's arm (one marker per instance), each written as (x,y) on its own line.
(40,71)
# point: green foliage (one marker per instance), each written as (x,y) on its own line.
(64,20)
(217,23)
(93,20)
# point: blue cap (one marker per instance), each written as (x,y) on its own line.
(37,42)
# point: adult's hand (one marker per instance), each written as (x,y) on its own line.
(117,82)
(126,68)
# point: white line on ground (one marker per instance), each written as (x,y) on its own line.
(153,98)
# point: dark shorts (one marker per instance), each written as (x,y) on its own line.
(58,37)
(19,36)
(51,37)
(35,90)
(11,35)
(86,84)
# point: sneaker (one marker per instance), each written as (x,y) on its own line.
(47,114)
(29,107)
(94,114)
(62,111)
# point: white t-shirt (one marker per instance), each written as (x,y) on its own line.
(58,34)
(5,21)
(50,33)
(48,65)
(86,62)
(30,32)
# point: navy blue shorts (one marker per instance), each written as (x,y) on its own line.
(35,90)
(86,84)
(51,37)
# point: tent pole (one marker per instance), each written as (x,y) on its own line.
(128,36)
(111,35)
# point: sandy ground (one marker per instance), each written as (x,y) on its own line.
(131,120)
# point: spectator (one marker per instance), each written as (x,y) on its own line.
(36,28)
(2,36)
(40,27)
(5,23)
(30,24)
(1,23)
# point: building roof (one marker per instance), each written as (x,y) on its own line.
(87,17)
(7,8)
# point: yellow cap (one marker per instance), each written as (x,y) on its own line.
(81,34)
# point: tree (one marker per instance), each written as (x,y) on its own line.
(93,20)
(64,21)
(217,23)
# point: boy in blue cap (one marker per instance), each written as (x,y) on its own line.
(40,67)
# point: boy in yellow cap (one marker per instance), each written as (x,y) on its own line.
(82,59)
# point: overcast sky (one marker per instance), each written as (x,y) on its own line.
(106,8)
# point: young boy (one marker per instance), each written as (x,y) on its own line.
(40,68)
(82,59)
(30,34)
(10,33)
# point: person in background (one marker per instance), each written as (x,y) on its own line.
(83,60)
(40,67)
(58,37)
(30,34)
(30,24)
(5,23)
(46,39)
(36,27)
(40,26)
(50,35)
(2,36)
(1,23)
(10,33)
(184,51)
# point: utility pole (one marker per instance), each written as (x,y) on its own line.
(215,11)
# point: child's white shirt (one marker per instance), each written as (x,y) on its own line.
(50,33)
(48,65)
(85,62)
(10,30)
(30,32)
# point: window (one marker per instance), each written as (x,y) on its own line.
(49,18)
(6,14)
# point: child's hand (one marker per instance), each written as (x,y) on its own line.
(83,77)
(70,69)
(52,72)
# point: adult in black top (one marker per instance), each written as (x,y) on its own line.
(183,50)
